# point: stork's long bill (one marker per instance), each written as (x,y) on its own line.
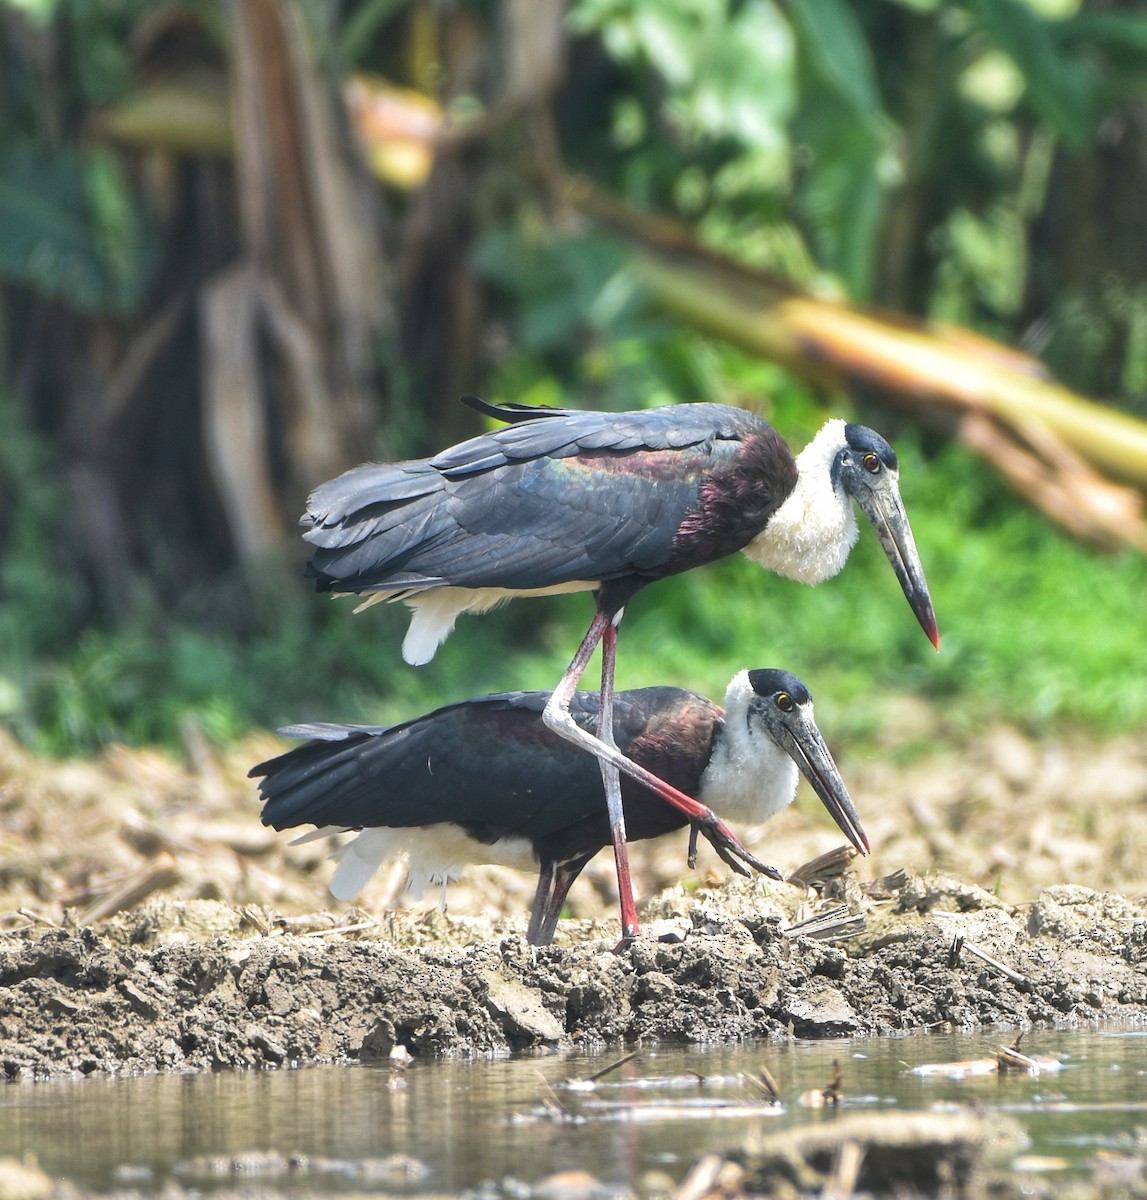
(885,510)
(808,750)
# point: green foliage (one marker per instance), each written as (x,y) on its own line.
(703,118)
(728,67)
(557,283)
(836,45)
(38,596)
(71,229)
(1063,86)
(581,328)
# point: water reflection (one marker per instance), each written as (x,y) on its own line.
(479,1120)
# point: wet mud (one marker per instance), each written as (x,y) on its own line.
(201,985)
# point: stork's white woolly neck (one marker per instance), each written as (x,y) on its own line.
(749,778)
(810,536)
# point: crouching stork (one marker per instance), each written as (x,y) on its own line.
(563,501)
(488,781)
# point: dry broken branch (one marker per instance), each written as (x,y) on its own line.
(1052,445)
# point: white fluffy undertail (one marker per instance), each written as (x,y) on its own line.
(433,612)
(359,859)
(432,617)
(435,854)
(810,536)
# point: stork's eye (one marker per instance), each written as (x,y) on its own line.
(871,463)
(785,702)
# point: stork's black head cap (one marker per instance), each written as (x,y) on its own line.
(767,681)
(862,440)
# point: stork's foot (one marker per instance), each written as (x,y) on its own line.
(629,935)
(691,860)
(730,850)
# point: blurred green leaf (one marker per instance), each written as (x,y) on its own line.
(729,67)
(45,236)
(40,12)
(70,228)
(1062,88)
(102,37)
(842,194)
(361,26)
(1118,37)
(834,41)
(555,280)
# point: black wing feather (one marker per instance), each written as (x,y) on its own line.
(489,765)
(552,499)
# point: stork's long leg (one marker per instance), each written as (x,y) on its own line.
(563,881)
(557,717)
(540,911)
(611,779)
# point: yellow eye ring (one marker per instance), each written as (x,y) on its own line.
(871,463)
(785,702)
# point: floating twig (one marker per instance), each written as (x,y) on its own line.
(765,1081)
(1008,1059)
(831,1095)
(613,1066)
(550,1100)
(834,1093)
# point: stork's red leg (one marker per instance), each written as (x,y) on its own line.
(557,717)
(563,881)
(611,778)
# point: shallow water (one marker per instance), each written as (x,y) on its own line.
(468,1122)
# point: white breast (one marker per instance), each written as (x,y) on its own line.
(749,778)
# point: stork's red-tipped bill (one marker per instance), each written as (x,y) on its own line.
(886,512)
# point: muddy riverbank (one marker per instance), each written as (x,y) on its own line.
(148,922)
(202,985)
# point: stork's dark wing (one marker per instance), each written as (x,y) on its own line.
(489,765)
(554,499)
(562,432)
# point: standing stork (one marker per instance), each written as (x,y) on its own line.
(563,501)
(488,781)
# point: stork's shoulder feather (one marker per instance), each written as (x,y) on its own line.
(562,433)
